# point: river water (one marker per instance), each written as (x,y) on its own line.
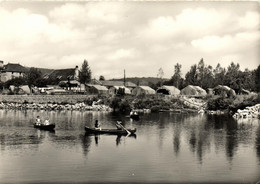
(167,148)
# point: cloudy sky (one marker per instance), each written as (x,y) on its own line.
(140,37)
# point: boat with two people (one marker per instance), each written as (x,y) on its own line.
(134,115)
(45,125)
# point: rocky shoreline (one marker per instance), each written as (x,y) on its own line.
(54,106)
(248,112)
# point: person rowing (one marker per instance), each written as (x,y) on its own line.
(119,125)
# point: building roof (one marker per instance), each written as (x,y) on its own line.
(98,87)
(223,87)
(62,74)
(45,71)
(26,89)
(147,89)
(172,89)
(117,83)
(14,67)
(200,90)
(193,90)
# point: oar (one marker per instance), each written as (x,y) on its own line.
(128,132)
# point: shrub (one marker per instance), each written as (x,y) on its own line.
(219,103)
(114,104)
(124,106)
(155,108)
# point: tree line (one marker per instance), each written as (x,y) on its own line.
(206,77)
(199,74)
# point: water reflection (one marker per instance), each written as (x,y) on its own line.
(231,139)
(176,139)
(86,142)
(170,148)
(118,138)
(257,142)
(20,140)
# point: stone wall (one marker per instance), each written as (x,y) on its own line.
(72,99)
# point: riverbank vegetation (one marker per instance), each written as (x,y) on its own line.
(125,103)
(232,104)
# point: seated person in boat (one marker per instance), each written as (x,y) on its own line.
(38,120)
(47,122)
(97,125)
(119,125)
(133,113)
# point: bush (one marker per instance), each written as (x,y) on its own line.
(219,103)
(114,104)
(124,106)
(155,108)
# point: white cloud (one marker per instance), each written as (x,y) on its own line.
(212,43)
(122,54)
(189,22)
(249,21)
(72,13)
(192,23)
(101,15)
(111,38)
(233,43)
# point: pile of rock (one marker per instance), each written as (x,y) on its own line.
(248,112)
(51,106)
(195,104)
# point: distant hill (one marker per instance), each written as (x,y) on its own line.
(147,81)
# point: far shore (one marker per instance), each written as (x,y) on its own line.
(124,104)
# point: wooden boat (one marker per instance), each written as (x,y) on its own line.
(109,131)
(44,127)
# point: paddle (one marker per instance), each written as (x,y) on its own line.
(128,132)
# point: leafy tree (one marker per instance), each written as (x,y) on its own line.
(101,78)
(245,80)
(191,76)
(200,71)
(160,75)
(40,82)
(232,77)
(257,79)
(219,75)
(176,78)
(85,73)
(32,76)
(208,78)
(17,81)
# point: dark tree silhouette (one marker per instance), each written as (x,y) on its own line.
(85,73)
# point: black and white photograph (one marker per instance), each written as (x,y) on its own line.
(131,92)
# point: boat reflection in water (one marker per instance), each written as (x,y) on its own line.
(99,137)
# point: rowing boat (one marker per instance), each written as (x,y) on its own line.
(109,131)
(44,127)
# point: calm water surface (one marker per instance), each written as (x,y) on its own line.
(167,148)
